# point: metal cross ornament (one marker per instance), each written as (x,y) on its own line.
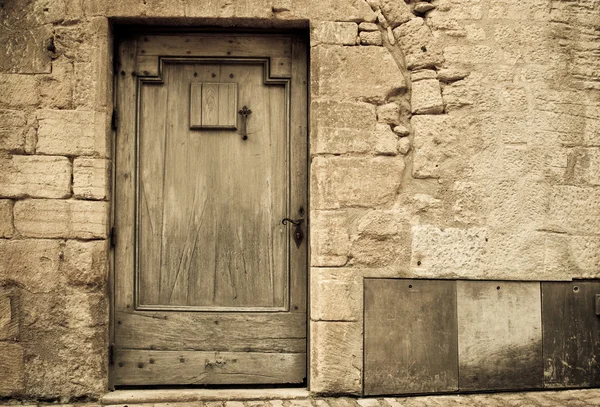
(244,112)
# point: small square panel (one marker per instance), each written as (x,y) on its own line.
(213,105)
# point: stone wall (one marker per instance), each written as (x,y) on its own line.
(449,139)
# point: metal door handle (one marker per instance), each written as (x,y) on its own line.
(298,233)
(296,222)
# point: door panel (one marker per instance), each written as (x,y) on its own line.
(204,269)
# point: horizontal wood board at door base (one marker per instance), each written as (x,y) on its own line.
(499,335)
(410,343)
(571,334)
(192,367)
(210,287)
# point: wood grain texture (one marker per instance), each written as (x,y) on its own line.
(147,367)
(571,332)
(252,332)
(499,335)
(410,336)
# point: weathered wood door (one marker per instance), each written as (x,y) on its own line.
(210,285)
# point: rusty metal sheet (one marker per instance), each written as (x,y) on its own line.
(499,335)
(410,336)
(571,334)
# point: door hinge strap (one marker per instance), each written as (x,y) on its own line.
(114,121)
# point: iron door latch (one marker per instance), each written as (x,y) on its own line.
(298,235)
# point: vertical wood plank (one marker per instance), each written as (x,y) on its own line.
(196,105)
(571,334)
(499,335)
(227,105)
(210,104)
(410,336)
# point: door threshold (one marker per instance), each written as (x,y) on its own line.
(190,395)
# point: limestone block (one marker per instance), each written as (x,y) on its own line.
(334,10)
(568,129)
(25,48)
(377,251)
(368,27)
(567,257)
(418,45)
(448,252)
(328,32)
(434,142)
(404,145)
(389,114)
(56,89)
(329,238)
(91,178)
(35,176)
(381,140)
(9,314)
(533,10)
(366,73)
(371,38)
(401,130)
(336,295)
(13,128)
(574,209)
(6,218)
(426,97)
(18,91)
(451,74)
(31,263)
(381,223)
(12,367)
(348,181)
(347,115)
(85,264)
(459,9)
(336,357)
(70,132)
(421,74)
(396,12)
(65,219)
(423,7)
(472,54)
(585,164)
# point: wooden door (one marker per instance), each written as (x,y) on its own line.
(210,285)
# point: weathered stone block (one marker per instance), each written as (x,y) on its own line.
(31,263)
(381,140)
(35,176)
(370,38)
(18,91)
(334,10)
(56,90)
(367,73)
(344,181)
(347,115)
(426,97)
(13,127)
(65,219)
(9,314)
(389,114)
(6,218)
(328,32)
(447,253)
(395,12)
(330,241)
(336,357)
(70,132)
(434,143)
(474,54)
(404,145)
(381,223)
(418,45)
(460,9)
(336,295)
(377,251)
(368,27)
(585,164)
(85,264)
(12,367)
(567,257)
(574,210)
(90,178)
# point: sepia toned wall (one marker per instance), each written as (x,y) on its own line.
(448,139)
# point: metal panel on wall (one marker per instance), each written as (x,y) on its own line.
(410,336)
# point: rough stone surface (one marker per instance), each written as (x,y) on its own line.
(35,176)
(367,73)
(11,366)
(90,178)
(57,218)
(66,132)
(426,97)
(389,114)
(371,38)
(341,182)
(6,218)
(331,242)
(337,357)
(334,33)
(337,293)
(418,44)
(13,131)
